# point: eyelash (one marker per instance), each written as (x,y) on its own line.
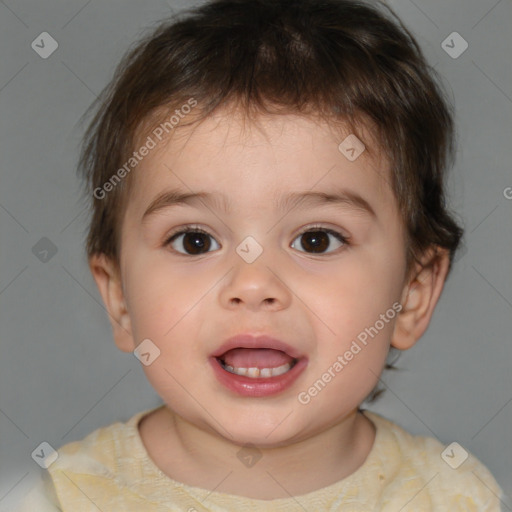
(315,228)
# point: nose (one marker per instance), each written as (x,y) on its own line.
(255,286)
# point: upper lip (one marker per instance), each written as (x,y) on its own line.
(256,341)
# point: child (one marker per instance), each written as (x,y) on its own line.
(269,220)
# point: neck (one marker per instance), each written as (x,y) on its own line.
(201,458)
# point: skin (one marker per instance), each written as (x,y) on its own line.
(317,302)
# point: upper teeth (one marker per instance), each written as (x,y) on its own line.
(255,373)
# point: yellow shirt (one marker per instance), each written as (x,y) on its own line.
(110,470)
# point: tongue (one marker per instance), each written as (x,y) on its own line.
(255,358)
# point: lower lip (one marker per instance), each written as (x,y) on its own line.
(257,387)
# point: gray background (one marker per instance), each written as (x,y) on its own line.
(60,374)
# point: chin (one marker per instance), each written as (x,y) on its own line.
(266,432)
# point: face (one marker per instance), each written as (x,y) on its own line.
(314,275)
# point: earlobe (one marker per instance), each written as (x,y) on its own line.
(108,279)
(420,296)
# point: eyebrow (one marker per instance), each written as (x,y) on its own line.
(178,197)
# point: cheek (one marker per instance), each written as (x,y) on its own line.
(354,296)
(355,308)
(159,296)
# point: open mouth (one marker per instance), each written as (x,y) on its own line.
(257,363)
(257,372)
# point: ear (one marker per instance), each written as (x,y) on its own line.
(419,298)
(108,279)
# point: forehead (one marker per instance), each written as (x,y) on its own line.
(262,159)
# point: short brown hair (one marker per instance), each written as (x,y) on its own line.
(346,60)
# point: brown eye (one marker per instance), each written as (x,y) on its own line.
(191,241)
(317,240)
